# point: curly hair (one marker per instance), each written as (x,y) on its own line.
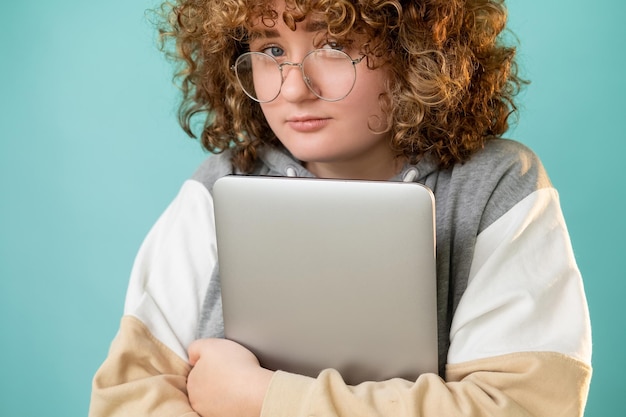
(452,78)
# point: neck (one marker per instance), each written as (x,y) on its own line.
(379,170)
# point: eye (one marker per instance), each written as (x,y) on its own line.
(273,51)
(333,45)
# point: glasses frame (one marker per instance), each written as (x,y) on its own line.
(306,79)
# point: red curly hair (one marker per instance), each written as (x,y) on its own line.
(452,79)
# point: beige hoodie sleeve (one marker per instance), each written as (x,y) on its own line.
(537,384)
(140,377)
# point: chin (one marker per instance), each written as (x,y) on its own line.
(310,153)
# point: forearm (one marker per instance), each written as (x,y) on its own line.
(140,377)
(522,384)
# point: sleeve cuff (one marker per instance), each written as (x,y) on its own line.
(286,395)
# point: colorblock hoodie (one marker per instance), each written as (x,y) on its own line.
(514,330)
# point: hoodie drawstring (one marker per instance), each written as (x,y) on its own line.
(410,175)
(291,171)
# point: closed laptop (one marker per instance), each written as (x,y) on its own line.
(319,273)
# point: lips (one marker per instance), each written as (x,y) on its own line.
(307,123)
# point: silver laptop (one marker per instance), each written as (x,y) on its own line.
(319,273)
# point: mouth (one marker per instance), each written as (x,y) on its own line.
(307,123)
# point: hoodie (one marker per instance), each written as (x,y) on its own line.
(514,332)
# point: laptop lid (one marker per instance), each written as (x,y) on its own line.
(319,273)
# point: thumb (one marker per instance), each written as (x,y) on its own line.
(194,352)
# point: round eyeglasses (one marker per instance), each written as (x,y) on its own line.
(329,73)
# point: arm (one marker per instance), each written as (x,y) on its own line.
(520,339)
(146,369)
(140,377)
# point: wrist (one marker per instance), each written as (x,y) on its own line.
(258,386)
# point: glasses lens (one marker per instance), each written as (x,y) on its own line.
(259,76)
(329,73)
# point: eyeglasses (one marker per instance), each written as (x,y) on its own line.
(329,73)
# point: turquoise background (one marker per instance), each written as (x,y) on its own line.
(90,155)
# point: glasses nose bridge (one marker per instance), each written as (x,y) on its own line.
(290,64)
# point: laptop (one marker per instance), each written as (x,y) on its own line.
(320,273)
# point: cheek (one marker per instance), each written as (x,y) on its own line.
(368,89)
(366,105)
(270,113)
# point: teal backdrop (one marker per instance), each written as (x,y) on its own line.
(90,155)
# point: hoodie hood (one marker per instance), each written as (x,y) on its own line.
(278,162)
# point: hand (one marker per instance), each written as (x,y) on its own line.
(226,379)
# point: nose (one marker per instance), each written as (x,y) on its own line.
(294,87)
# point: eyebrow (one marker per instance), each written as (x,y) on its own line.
(264,33)
(316,26)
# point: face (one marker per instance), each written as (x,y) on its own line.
(333,139)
